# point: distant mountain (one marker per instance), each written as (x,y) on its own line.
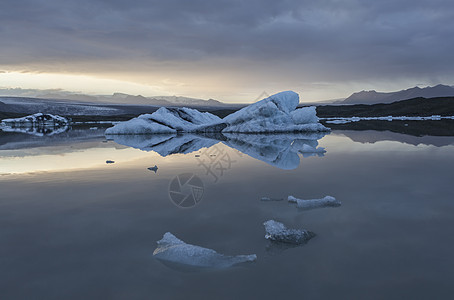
(120,98)
(373,97)
(116,98)
(421,107)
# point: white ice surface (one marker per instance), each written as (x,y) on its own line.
(278,232)
(274,114)
(172,249)
(165,120)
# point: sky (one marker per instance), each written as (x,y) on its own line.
(233,51)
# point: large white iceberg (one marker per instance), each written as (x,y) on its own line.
(278,232)
(277,113)
(173,250)
(327,201)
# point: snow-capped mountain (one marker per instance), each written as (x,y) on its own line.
(373,97)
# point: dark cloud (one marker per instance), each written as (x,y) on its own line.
(330,40)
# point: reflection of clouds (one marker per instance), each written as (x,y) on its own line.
(63,161)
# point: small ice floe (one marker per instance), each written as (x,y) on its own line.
(278,232)
(327,201)
(154,169)
(271,199)
(110,161)
(178,254)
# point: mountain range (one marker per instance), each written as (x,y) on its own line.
(374,97)
(116,98)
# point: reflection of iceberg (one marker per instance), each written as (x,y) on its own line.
(280,150)
(38,124)
(278,232)
(176,252)
(165,144)
(327,201)
(277,113)
(36,130)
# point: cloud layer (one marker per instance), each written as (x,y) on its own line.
(273,43)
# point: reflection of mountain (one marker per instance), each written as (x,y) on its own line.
(372,136)
(279,150)
(414,128)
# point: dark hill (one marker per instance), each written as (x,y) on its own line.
(443,106)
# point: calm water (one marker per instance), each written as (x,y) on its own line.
(76,227)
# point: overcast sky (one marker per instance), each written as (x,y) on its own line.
(227,50)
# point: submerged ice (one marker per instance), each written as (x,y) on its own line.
(278,232)
(327,201)
(173,250)
(277,113)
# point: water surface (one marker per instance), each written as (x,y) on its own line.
(76,227)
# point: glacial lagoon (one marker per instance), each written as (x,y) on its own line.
(81,215)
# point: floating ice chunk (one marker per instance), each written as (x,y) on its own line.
(171,249)
(327,201)
(271,199)
(154,169)
(37,124)
(39,118)
(339,121)
(278,232)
